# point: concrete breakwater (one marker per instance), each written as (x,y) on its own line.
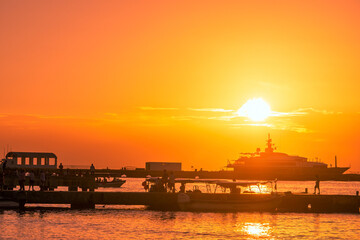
(306,203)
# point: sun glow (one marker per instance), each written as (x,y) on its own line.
(255,109)
(255,229)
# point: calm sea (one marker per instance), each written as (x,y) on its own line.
(136,222)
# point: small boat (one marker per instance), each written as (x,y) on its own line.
(252,199)
(116,183)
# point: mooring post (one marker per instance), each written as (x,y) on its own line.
(72,188)
(73,184)
(21,196)
(83,201)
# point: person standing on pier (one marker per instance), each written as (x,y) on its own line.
(61,167)
(32,180)
(172,182)
(165,179)
(22,180)
(2,182)
(92,169)
(317,184)
(42,181)
(4,165)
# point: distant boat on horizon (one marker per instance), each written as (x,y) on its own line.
(270,164)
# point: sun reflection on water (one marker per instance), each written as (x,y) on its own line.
(254,229)
(260,189)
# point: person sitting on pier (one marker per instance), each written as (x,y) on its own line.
(145,185)
(317,184)
(182,188)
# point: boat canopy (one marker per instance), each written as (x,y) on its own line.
(228,184)
(184,180)
(30,155)
(33,160)
(222,183)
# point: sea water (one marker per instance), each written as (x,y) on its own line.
(136,222)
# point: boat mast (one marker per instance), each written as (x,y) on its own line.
(269,148)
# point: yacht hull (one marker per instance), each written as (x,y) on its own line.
(229,202)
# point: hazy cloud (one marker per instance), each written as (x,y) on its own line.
(157,108)
(211,110)
(251,124)
(308,110)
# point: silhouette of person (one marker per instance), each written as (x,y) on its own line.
(4,165)
(182,188)
(165,179)
(317,184)
(171,184)
(2,182)
(31,180)
(42,181)
(22,180)
(92,169)
(61,167)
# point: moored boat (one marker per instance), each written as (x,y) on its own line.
(271,164)
(248,200)
(116,183)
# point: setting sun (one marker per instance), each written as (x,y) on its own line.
(255,109)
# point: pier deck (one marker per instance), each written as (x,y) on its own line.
(165,201)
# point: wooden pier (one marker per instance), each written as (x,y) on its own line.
(306,203)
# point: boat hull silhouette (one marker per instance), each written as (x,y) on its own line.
(208,202)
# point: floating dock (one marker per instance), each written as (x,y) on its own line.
(306,203)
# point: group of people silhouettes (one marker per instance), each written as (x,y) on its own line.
(164,184)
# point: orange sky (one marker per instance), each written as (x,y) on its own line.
(119,83)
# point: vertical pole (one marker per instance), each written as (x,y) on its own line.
(335,162)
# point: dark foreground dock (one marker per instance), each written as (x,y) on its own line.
(305,203)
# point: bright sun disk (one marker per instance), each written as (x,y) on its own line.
(255,109)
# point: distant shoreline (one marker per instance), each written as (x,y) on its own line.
(219,175)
